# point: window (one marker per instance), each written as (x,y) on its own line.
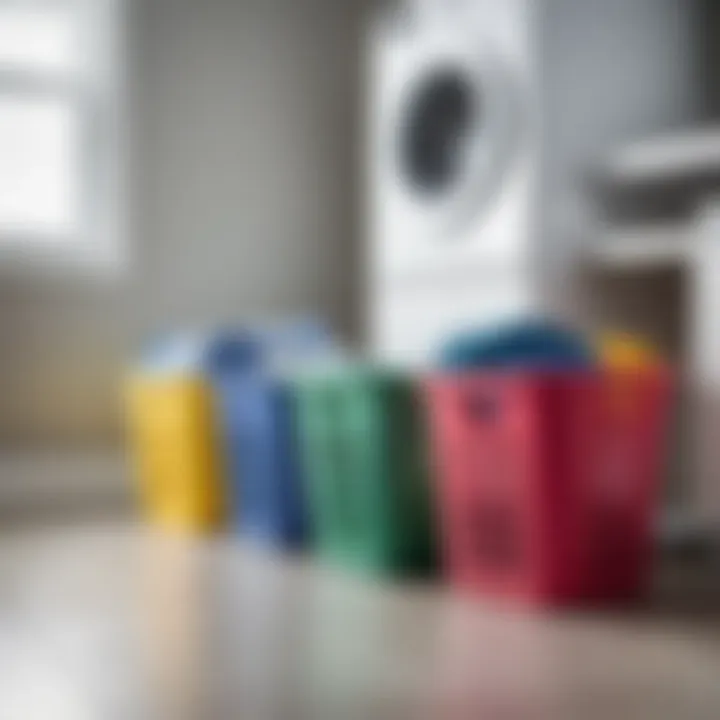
(60,130)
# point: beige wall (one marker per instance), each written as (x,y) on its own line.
(244,151)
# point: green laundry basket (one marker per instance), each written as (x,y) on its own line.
(363,454)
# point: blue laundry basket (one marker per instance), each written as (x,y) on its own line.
(265,487)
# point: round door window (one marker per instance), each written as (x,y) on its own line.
(443,112)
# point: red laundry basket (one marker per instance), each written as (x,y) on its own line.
(547,483)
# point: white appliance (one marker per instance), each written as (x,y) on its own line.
(482,115)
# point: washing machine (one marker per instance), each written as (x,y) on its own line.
(484,116)
(451,187)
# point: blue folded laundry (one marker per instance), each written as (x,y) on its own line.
(537,344)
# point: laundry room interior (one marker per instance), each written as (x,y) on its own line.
(361,358)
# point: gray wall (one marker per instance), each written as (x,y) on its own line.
(244,176)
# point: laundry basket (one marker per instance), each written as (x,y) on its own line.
(174,438)
(254,402)
(547,483)
(363,454)
(266,496)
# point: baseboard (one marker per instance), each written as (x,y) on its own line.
(42,481)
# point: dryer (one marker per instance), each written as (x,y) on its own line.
(483,115)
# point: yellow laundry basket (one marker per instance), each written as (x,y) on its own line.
(175,444)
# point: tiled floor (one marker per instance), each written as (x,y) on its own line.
(110,622)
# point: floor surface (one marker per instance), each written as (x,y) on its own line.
(106,622)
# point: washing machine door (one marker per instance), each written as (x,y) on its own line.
(452,138)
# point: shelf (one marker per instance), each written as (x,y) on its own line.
(642,247)
(678,157)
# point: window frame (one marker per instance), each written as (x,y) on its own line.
(97,92)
